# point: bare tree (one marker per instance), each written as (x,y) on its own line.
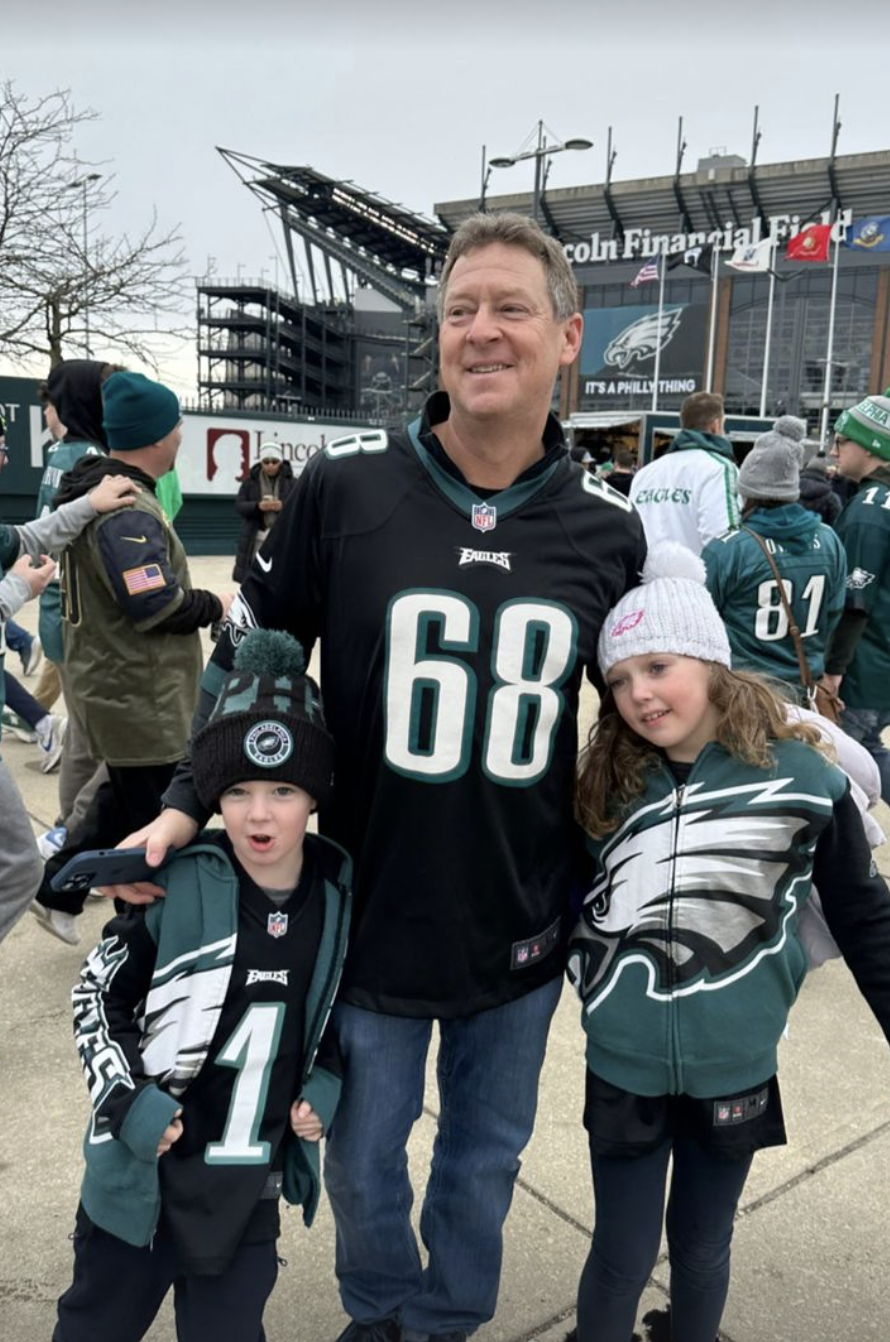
(63,282)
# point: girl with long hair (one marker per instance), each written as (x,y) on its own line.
(709,815)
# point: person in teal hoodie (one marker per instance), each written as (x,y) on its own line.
(710,814)
(200,1028)
(808,554)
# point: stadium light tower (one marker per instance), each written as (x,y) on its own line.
(541,152)
(83,183)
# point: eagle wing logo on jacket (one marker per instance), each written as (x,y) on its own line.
(640,340)
(693,903)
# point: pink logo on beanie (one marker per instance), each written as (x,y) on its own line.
(626,623)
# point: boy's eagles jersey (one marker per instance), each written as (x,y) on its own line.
(454,632)
(864,528)
(811,560)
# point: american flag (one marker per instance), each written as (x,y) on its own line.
(144,579)
(646,273)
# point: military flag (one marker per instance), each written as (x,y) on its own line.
(869,235)
(810,244)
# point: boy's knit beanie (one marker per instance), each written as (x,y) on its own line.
(771,470)
(137,411)
(868,424)
(672,612)
(267,724)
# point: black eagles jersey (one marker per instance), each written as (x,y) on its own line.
(454,632)
(216,1186)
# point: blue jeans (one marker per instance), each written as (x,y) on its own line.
(18,639)
(488,1070)
(629,1199)
(865,726)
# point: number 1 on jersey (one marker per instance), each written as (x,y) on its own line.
(251,1050)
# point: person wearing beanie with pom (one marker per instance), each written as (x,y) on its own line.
(133,654)
(858,663)
(690,493)
(222,1082)
(709,813)
(808,555)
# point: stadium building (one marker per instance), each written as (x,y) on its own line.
(353,328)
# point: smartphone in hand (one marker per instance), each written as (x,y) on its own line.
(105,866)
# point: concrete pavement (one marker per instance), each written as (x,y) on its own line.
(811,1250)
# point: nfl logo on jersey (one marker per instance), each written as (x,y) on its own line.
(484,517)
(276,925)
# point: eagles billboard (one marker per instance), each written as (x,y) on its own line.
(619,347)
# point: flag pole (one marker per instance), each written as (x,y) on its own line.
(712,333)
(826,390)
(661,269)
(769,326)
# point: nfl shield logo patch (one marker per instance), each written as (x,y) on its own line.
(276,925)
(485,517)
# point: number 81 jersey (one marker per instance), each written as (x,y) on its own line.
(454,633)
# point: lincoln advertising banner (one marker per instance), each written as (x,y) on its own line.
(619,346)
(217,450)
(217,455)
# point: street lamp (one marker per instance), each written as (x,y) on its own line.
(541,152)
(85,182)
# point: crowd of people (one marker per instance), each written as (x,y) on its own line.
(267,985)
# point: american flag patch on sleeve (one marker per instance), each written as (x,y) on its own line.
(144,579)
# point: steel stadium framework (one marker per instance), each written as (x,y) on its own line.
(323,343)
(313,343)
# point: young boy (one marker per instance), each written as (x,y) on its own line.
(198,1026)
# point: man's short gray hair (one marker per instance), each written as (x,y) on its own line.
(514,230)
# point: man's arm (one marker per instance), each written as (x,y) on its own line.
(856,904)
(717,506)
(50,534)
(23,582)
(134,552)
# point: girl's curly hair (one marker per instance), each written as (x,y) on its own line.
(615,761)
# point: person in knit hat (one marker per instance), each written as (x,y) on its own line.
(858,663)
(267,723)
(808,555)
(708,815)
(260,500)
(223,1087)
(131,620)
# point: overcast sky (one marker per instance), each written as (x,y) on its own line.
(400,97)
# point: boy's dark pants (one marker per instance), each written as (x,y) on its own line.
(118,1290)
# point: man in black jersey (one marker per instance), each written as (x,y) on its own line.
(457,575)
(199,1029)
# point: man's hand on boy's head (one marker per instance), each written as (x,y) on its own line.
(305,1121)
(171,1134)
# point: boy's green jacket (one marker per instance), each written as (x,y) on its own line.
(195,928)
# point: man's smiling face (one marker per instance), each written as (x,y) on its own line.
(500,345)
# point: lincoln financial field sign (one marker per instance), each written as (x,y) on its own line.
(642,242)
